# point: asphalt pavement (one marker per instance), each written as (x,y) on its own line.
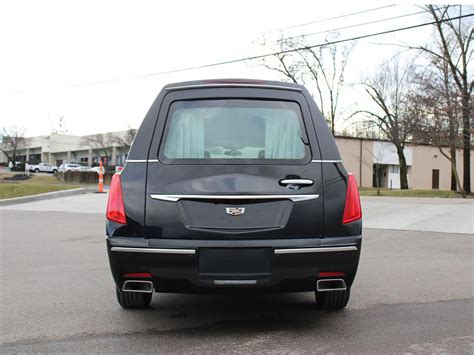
(413,293)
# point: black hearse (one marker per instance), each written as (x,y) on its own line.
(233,184)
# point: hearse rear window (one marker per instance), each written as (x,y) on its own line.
(234,130)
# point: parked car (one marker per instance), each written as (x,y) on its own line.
(97,169)
(43,168)
(18,166)
(70,167)
(84,168)
(234,184)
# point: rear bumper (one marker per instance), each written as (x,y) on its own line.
(174,265)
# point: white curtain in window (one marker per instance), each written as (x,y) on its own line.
(282,135)
(186,135)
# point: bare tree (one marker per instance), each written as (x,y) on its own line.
(60,126)
(455,37)
(323,66)
(362,129)
(101,143)
(127,140)
(437,107)
(13,138)
(389,89)
(377,165)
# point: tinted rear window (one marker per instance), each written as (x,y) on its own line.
(234,131)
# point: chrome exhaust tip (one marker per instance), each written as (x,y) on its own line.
(138,286)
(325,285)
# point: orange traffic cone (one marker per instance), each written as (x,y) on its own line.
(100,188)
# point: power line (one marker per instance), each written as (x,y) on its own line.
(232,61)
(327,19)
(352,26)
(320,21)
(260,33)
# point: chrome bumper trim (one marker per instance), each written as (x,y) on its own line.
(175,198)
(235,282)
(315,250)
(154,250)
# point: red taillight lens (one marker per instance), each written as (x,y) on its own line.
(352,209)
(137,274)
(330,274)
(115,207)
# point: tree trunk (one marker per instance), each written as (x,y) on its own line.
(377,178)
(454,176)
(454,172)
(403,169)
(466,140)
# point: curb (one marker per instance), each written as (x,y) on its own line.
(46,196)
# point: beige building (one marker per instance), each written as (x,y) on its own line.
(427,168)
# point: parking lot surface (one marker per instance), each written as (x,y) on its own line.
(397,213)
(413,293)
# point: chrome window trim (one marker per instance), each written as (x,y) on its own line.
(175,198)
(315,250)
(326,161)
(156,161)
(154,250)
(263,86)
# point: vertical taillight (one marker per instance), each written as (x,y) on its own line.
(352,209)
(115,206)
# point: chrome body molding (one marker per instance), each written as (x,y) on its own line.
(142,161)
(175,198)
(315,250)
(326,161)
(231,85)
(136,161)
(154,250)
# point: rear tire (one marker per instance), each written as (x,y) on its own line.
(133,300)
(37,170)
(333,300)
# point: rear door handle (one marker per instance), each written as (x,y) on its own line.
(296,182)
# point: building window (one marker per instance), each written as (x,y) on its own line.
(84,160)
(394,169)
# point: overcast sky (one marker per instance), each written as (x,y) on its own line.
(54,54)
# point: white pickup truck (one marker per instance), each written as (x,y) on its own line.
(43,168)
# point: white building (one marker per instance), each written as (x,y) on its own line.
(385,158)
(64,148)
